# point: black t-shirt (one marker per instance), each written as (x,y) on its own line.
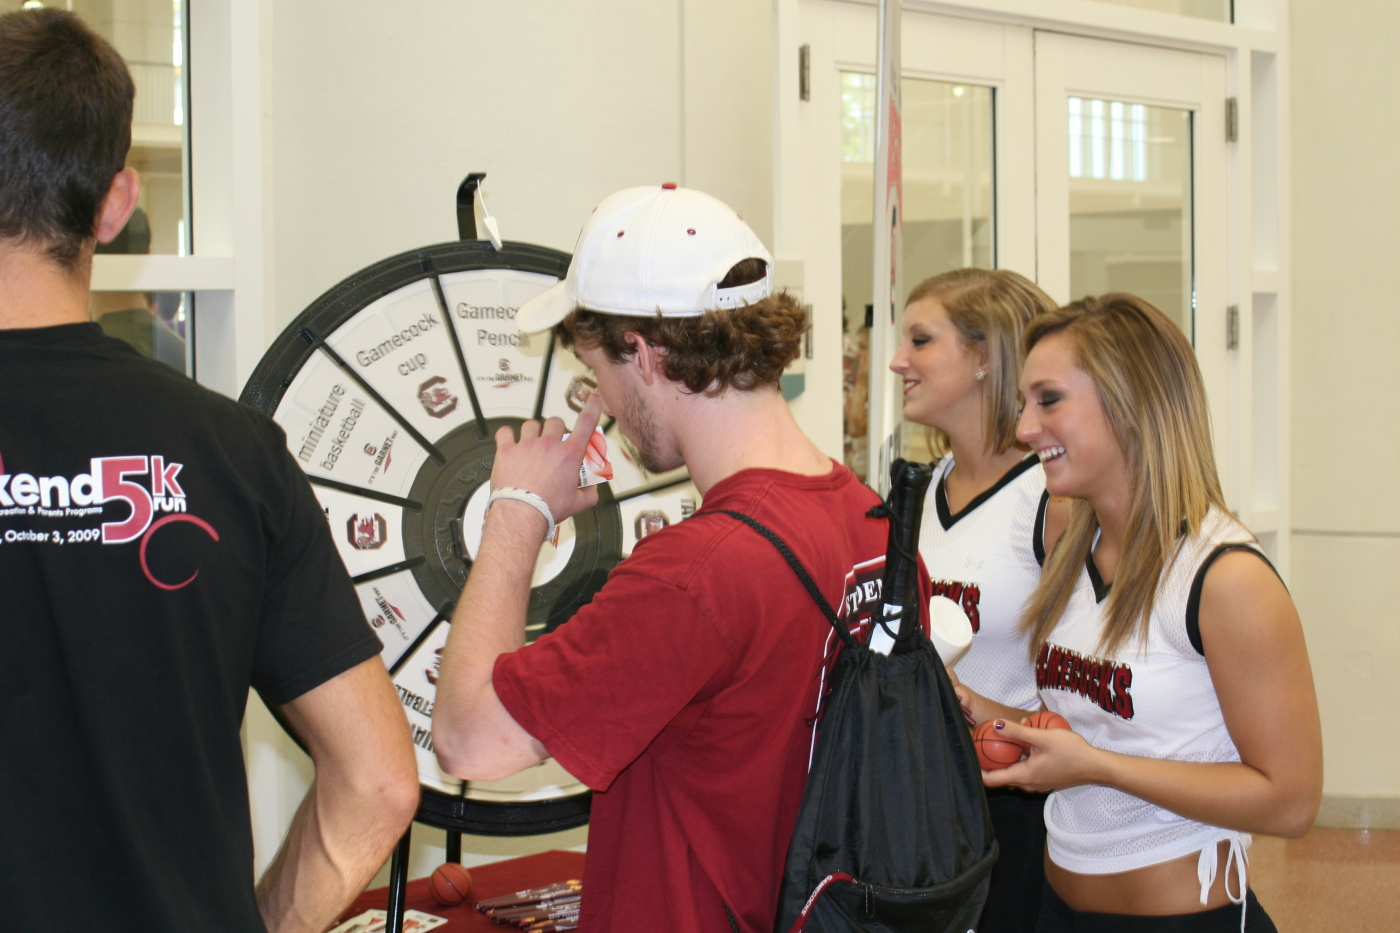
(133,628)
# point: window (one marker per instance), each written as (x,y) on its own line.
(948,199)
(1107,139)
(1130,203)
(150,35)
(1221,10)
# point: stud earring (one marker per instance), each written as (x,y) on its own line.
(981,374)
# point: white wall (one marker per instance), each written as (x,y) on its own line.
(375,113)
(1346,446)
(379,111)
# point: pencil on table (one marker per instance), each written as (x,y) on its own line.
(536,905)
(562,923)
(537,916)
(531,895)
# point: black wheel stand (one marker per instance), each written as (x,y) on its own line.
(398,875)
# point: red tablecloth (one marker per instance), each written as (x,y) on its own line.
(493,880)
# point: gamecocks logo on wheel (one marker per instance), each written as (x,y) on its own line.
(367,532)
(437,400)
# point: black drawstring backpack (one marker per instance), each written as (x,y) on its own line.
(893,834)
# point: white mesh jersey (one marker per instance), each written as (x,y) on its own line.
(1153,701)
(984,559)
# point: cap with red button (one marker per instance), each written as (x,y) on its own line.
(653,250)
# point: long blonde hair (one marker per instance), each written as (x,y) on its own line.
(1155,402)
(991,308)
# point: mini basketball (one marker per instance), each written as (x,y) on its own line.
(994,750)
(450,884)
(1044,719)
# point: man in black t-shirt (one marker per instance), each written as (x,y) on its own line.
(160,553)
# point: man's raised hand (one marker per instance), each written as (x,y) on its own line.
(544,463)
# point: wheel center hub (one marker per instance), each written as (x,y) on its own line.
(554,555)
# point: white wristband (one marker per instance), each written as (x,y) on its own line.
(530,499)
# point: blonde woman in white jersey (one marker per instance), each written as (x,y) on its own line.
(1161,634)
(961,360)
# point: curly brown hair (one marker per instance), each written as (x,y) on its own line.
(745,349)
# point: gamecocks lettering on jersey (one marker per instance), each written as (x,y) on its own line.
(966,595)
(1103,681)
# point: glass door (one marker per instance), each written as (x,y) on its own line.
(966,90)
(948,223)
(1222,11)
(1131,188)
(151,39)
(1130,225)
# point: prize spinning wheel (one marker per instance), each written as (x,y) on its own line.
(391,387)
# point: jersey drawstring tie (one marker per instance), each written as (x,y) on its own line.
(1208,864)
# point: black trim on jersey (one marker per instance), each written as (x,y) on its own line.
(940,495)
(1193,602)
(1038,535)
(1101,589)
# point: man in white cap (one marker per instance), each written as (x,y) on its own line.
(685,694)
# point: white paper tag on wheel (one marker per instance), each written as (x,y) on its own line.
(493,231)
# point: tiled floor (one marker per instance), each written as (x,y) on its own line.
(1329,880)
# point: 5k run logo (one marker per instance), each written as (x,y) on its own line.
(108,481)
(147,485)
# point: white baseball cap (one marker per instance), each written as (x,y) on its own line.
(653,250)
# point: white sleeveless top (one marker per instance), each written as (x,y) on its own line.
(984,559)
(1153,702)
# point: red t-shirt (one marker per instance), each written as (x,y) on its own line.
(685,695)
